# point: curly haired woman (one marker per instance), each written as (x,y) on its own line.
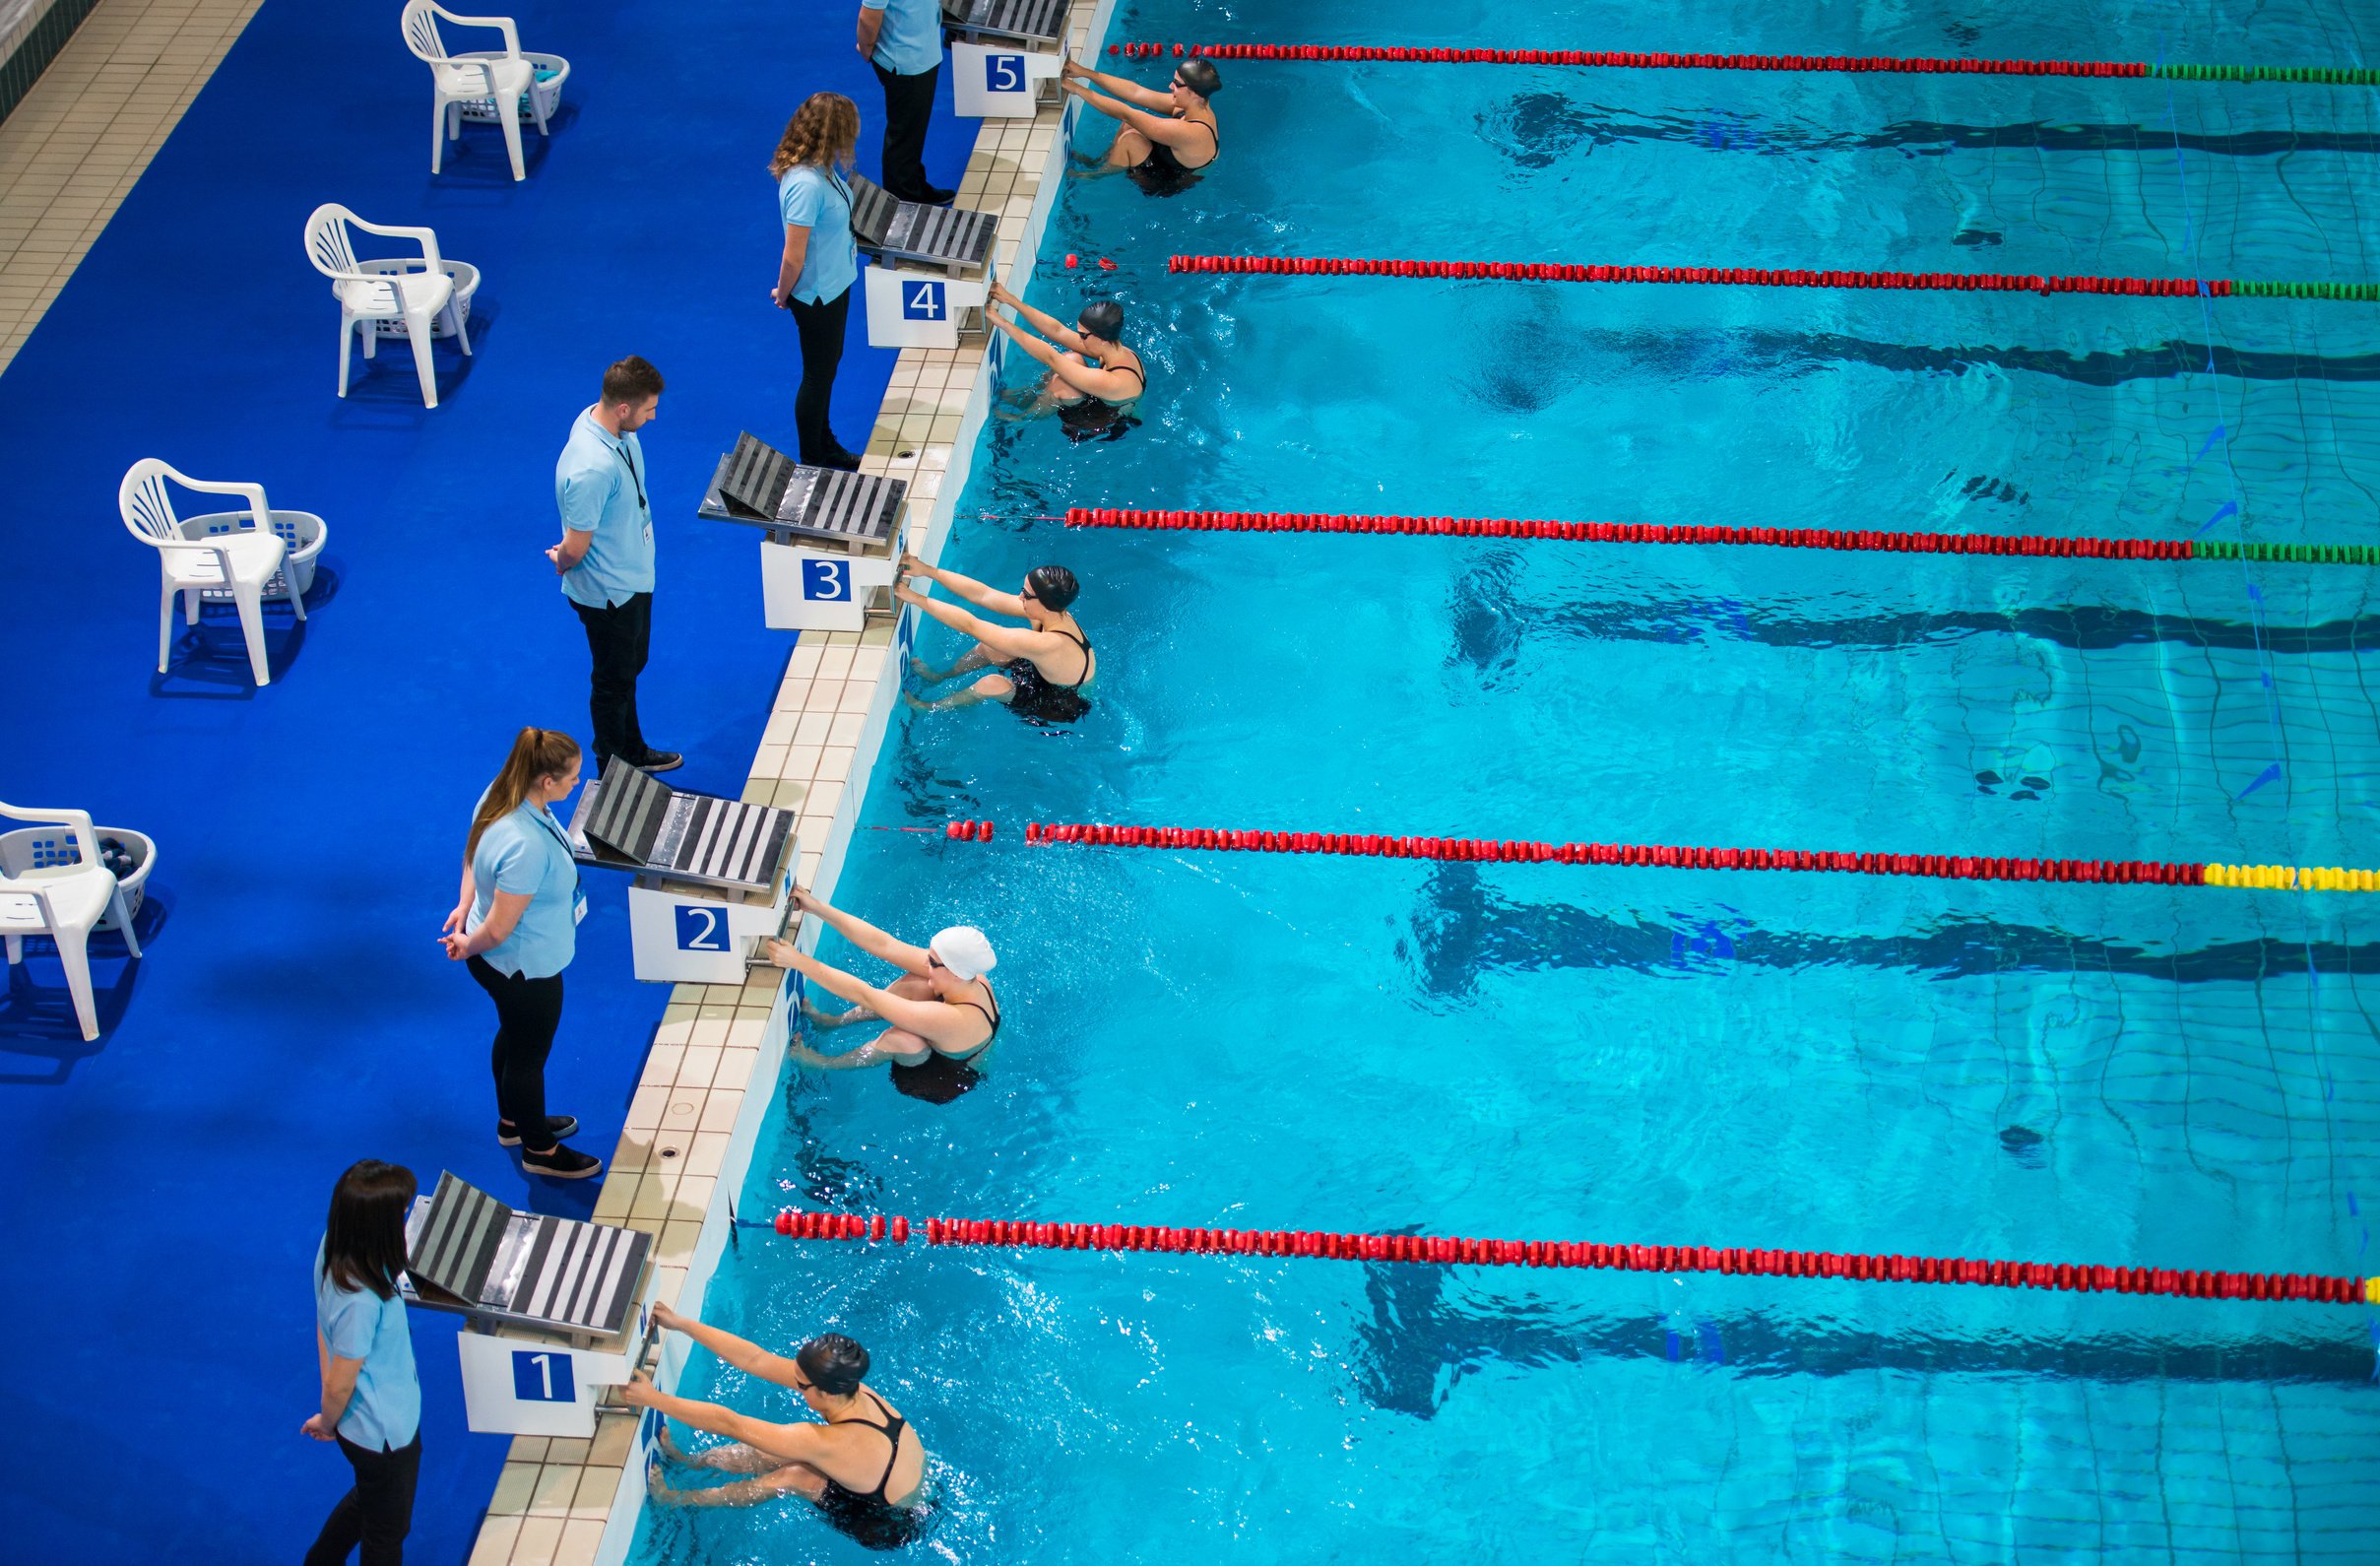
(820,261)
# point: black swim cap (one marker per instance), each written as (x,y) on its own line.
(834,1364)
(1103,319)
(1054,586)
(1200,77)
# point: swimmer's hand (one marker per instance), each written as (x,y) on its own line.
(1001,295)
(911,566)
(637,1392)
(907,594)
(668,1319)
(1071,68)
(315,1428)
(1069,84)
(783,953)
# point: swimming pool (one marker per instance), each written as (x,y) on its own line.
(2136,1075)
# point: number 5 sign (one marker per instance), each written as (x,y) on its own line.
(997,80)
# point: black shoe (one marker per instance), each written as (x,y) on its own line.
(556,1126)
(931,197)
(659,762)
(847,461)
(558,1162)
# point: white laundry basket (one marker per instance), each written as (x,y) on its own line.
(31,852)
(302,532)
(467,281)
(546,87)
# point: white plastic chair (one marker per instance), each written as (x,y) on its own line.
(64,902)
(501,78)
(367,297)
(244,561)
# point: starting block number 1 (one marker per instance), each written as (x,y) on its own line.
(1003,73)
(922,301)
(545,1374)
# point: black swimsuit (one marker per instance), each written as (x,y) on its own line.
(871,1519)
(940,1078)
(1095,418)
(1041,699)
(1161,173)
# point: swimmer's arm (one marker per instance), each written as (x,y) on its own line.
(981,594)
(1015,642)
(925,1018)
(1157,127)
(749,1357)
(867,936)
(1125,88)
(796,1443)
(1048,325)
(1023,338)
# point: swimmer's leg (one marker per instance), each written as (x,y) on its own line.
(733,1458)
(992,688)
(818,1018)
(980,657)
(797,1478)
(1130,150)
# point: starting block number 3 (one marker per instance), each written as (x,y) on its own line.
(1003,73)
(826,581)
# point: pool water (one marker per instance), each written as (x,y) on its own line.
(2144,1076)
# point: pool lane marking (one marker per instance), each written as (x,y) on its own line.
(1853,539)
(1456,1251)
(1705,60)
(1767,277)
(1513,851)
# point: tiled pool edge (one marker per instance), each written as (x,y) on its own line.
(718,1056)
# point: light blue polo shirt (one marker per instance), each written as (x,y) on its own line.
(810,197)
(526,852)
(599,484)
(385,1410)
(910,43)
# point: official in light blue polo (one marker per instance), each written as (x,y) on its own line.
(902,40)
(515,925)
(819,262)
(606,557)
(371,1397)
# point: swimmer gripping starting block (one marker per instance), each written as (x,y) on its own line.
(470,1254)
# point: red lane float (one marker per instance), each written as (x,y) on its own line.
(1633,60)
(1745,276)
(1447,1251)
(968,832)
(1630,533)
(1490,851)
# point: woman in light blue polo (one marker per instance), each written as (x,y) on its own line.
(516,925)
(820,261)
(371,1399)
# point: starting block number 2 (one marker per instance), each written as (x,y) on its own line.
(1003,73)
(701,929)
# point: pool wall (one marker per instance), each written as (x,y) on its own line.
(1042,172)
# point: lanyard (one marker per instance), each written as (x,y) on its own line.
(544,820)
(622,452)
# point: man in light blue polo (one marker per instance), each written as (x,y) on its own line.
(606,557)
(902,40)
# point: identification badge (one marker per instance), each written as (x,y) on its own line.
(578,909)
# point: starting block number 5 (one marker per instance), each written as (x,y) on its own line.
(1003,73)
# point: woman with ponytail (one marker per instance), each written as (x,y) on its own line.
(516,925)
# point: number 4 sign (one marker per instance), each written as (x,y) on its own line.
(922,301)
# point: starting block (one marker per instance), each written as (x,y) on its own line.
(828,549)
(711,882)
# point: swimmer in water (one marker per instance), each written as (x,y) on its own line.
(1044,664)
(865,1467)
(1168,138)
(941,1015)
(1094,380)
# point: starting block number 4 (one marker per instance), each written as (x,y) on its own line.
(700,929)
(922,301)
(827,581)
(544,1375)
(1003,73)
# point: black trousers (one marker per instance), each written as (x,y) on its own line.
(822,328)
(618,639)
(378,1513)
(529,1012)
(908,110)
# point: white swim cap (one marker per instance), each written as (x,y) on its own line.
(964,951)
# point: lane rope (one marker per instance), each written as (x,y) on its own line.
(1660,60)
(1509,851)
(1451,1251)
(1871,539)
(1767,277)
